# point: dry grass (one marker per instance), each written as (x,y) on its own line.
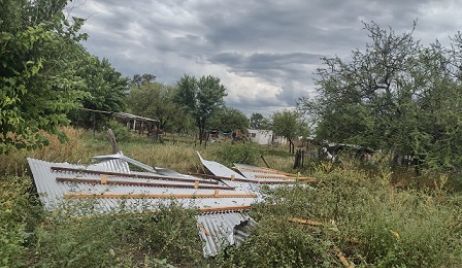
(83,145)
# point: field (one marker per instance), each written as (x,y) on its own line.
(361,214)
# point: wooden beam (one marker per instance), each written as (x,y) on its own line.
(343,259)
(193,185)
(304,179)
(80,195)
(340,255)
(130,175)
(249,180)
(305,221)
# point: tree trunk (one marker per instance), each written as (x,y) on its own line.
(113,141)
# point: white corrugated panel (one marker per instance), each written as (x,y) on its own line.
(219,230)
(51,192)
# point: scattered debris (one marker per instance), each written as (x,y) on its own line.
(118,181)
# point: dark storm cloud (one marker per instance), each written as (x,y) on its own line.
(265,52)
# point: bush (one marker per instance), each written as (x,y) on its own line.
(19,213)
(374,224)
(243,153)
(123,239)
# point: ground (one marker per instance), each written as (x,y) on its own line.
(362,214)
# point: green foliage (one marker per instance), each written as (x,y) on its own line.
(121,131)
(125,239)
(372,223)
(18,214)
(156,100)
(258,121)
(396,96)
(106,86)
(104,89)
(289,124)
(38,71)
(243,153)
(228,119)
(200,97)
(277,243)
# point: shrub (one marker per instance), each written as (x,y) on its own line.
(244,153)
(19,213)
(122,239)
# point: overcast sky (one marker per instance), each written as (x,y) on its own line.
(265,52)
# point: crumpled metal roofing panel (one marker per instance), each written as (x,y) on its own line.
(219,230)
(51,192)
(265,174)
(218,169)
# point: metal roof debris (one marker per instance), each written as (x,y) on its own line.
(112,185)
(220,230)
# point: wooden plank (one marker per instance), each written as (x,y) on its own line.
(305,221)
(343,259)
(80,195)
(129,175)
(193,185)
(243,180)
(340,255)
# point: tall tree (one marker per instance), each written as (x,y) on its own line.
(105,89)
(256,120)
(288,124)
(38,81)
(140,79)
(394,95)
(201,97)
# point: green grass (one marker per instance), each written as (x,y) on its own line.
(374,223)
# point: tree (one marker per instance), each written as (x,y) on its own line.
(156,100)
(105,89)
(200,97)
(229,119)
(258,121)
(140,79)
(38,81)
(396,96)
(288,124)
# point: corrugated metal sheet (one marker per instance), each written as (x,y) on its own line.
(220,170)
(220,230)
(217,230)
(259,173)
(112,165)
(120,156)
(51,192)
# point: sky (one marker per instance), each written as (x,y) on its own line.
(265,52)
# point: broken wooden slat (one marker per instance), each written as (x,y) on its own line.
(340,255)
(196,185)
(343,259)
(305,221)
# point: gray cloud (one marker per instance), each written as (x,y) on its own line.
(265,52)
